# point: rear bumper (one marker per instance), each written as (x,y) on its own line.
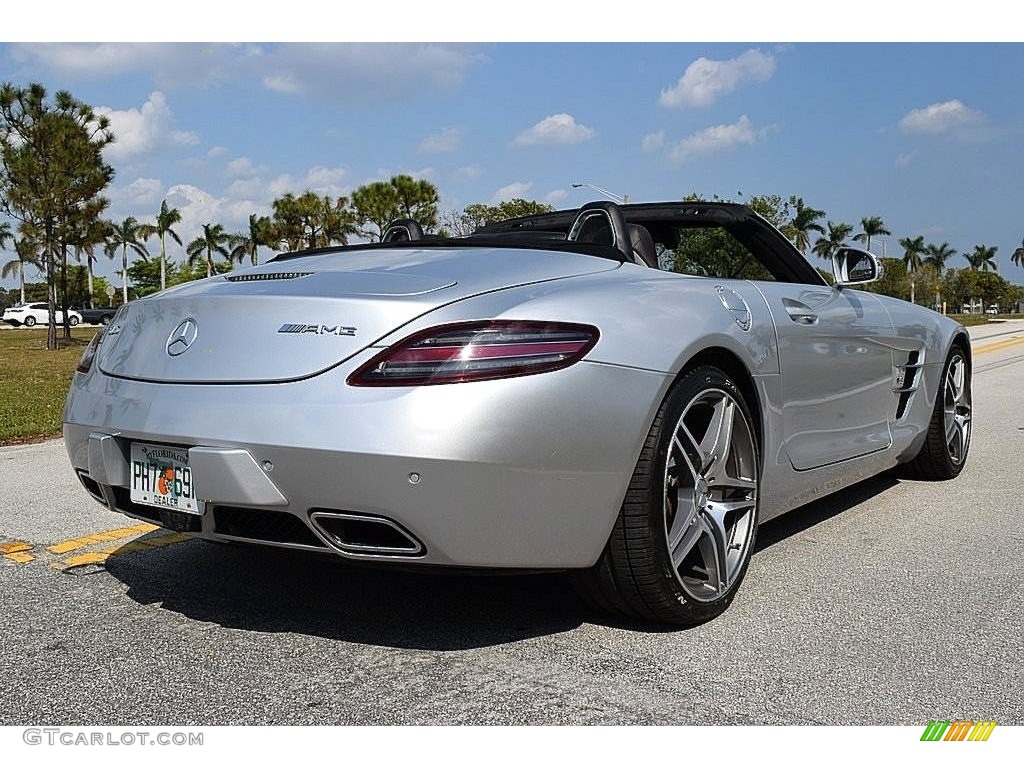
(516,473)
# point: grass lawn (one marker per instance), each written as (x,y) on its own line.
(979,319)
(34,382)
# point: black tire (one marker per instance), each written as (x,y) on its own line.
(943,457)
(72,320)
(29,321)
(637,575)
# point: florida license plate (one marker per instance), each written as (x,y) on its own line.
(161,477)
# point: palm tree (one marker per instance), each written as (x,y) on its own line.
(6,236)
(166,219)
(29,249)
(836,239)
(124,236)
(983,258)
(872,226)
(85,239)
(1017,257)
(804,221)
(912,250)
(212,241)
(247,244)
(938,255)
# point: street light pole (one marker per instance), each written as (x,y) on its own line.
(620,199)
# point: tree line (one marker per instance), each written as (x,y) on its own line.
(53,176)
(922,274)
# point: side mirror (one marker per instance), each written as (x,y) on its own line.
(853,266)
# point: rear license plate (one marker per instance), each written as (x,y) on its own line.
(161,477)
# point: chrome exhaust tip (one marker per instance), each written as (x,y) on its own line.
(361,534)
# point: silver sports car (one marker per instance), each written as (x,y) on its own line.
(621,391)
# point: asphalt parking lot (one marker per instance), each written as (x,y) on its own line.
(893,603)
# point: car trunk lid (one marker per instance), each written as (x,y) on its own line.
(293,319)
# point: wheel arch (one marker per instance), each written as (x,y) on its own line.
(963,341)
(731,364)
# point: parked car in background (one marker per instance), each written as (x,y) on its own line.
(98,316)
(993,309)
(30,314)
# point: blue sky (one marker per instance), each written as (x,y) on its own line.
(928,136)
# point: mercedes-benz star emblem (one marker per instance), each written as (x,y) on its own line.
(182,337)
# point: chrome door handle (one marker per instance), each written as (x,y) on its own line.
(799,312)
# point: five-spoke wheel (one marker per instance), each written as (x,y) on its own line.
(684,536)
(710,494)
(956,409)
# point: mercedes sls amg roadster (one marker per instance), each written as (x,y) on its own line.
(624,392)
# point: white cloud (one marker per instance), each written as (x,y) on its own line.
(707,79)
(717,138)
(652,142)
(944,117)
(197,207)
(512,191)
(143,191)
(90,59)
(320,178)
(555,129)
(425,174)
(904,160)
(555,196)
(341,72)
(469,172)
(281,83)
(447,140)
(144,130)
(247,188)
(217,151)
(170,65)
(243,167)
(364,72)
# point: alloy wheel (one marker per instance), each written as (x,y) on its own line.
(957,409)
(711,488)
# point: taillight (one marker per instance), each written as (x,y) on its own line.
(89,354)
(494,349)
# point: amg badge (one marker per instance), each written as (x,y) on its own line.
(332,330)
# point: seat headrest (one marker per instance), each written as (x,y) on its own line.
(643,245)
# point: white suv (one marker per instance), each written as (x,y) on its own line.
(30,314)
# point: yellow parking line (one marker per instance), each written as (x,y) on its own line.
(99,557)
(87,558)
(996,346)
(17,552)
(156,541)
(98,538)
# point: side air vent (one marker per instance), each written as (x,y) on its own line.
(265,276)
(907,377)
